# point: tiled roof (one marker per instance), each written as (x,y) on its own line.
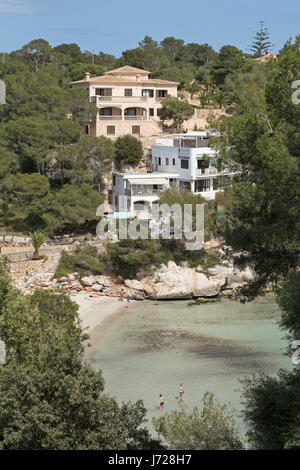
(112,79)
(266,57)
(128,70)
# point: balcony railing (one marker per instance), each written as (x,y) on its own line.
(146,191)
(110,118)
(118,99)
(120,118)
(213,171)
(135,118)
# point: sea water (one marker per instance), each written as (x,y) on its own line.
(154,346)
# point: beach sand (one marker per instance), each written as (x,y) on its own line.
(94,311)
(97,314)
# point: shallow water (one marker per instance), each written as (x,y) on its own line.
(154,346)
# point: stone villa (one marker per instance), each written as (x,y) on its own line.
(128,102)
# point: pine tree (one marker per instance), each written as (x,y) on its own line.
(261,42)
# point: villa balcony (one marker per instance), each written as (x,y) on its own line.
(124,118)
(135,118)
(213,171)
(146,190)
(110,118)
(99,100)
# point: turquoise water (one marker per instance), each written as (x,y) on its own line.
(154,346)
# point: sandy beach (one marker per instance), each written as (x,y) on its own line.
(99,311)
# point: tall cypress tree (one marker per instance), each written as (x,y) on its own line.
(261,41)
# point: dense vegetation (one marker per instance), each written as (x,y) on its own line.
(262,223)
(50,399)
(84,261)
(211,428)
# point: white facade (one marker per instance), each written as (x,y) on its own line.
(190,156)
(136,192)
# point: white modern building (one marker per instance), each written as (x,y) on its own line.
(189,156)
(134,193)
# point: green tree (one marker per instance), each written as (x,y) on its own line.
(197,54)
(261,42)
(75,208)
(73,50)
(288,299)
(175,110)
(89,160)
(37,239)
(172,46)
(262,221)
(271,409)
(29,204)
(128,150)
(34,141)
(36,53)
(50,399)
(262,133)
(211,428)
(229,60)
(129,256)
(192,88)
(26,201)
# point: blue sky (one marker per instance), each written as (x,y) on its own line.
(116,25)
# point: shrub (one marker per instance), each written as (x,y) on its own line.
(83,260)
(129,256)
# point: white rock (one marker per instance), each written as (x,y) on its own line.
(71,277)
(97,286)
(133,284)
(220,270)
(88,281)
(103,280)
(248,275)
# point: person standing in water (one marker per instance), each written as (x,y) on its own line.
(161,402)
(181,392)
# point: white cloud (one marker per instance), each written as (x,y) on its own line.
(15,6)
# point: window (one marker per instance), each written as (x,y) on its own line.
(202,185)
(114,180)
(146,92)
(105,112)
(128,92)
(184,164)
(136,129)
(87,130)
(104,91)
(159,161)
(111,129)
(167,162)
(151,111)
(174,162)
(202,164)
(161,93)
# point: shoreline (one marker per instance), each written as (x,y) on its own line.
(98,314)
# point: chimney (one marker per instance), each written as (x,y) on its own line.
(87,75)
